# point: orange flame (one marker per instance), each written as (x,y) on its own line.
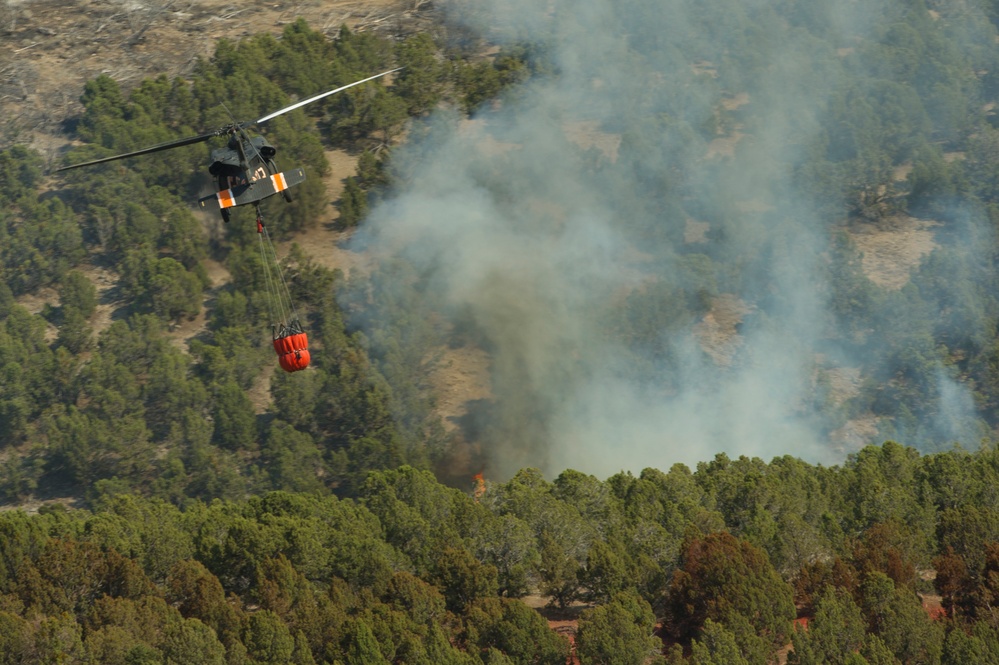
(480,486)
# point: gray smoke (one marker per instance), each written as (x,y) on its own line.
(569,226)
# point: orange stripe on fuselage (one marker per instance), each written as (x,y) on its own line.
(280,184)
(226,199)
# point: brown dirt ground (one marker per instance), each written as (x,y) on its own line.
(324,243)
(36,302)
(901,172)
(183,332)
(459,376)
(564,622)
(892,249)
(50,48)
(104,280)
(844,383)
(587,134)
(695,232)
(259,393)
(855,434)
(724,146)
(717,332)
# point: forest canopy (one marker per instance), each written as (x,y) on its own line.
(412,571)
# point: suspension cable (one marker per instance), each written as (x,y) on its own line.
(272,305)
(282,285)
(279,300)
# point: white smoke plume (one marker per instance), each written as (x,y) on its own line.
(553,222)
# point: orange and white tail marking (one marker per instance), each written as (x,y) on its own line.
(280,184)
(226,199)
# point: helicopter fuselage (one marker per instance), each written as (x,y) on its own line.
(243,159)
(245,173)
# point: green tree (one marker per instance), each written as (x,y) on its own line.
(618,632)
(876,653)
(463,579)
(559,572)
(422,602)
(77,292)
(302,653)
(235,421)
(717,646)
(362,647)
(960,647)
(175,292)
(292,459)
(835,632)
(198,594)
(116,646)
(149,531)
(420,83)
(190,642)
(353,204)
(514,629)
(896,616)
(58,639)
(15,639)
(267,639)
(74,331)
(606,572)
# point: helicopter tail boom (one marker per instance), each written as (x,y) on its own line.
(254,191)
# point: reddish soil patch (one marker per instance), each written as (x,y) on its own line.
(565,622)
(933,606)
(567,629)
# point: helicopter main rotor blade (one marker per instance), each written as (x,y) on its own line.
(156,148)
(223,130)
(325,94)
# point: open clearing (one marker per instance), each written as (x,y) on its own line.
(892,249)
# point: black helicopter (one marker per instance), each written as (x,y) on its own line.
(244,169)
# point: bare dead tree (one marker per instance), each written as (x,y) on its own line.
(152,16)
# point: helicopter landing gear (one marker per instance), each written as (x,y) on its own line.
(272,167)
